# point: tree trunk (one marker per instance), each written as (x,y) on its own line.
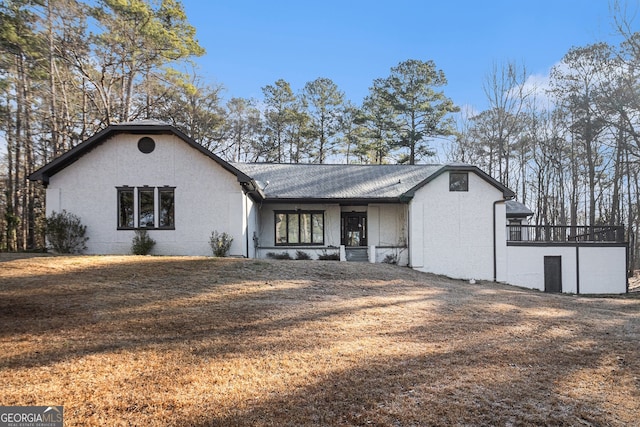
(617,177)
(28,218)
(574,187)
(17,164)
(53,116)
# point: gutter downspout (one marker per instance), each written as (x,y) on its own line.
(249,187)
(577,268)
(246,225)
(408,231)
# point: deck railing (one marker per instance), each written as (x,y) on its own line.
(565,233)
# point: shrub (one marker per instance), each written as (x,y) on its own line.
(391,259)
(302,255)
(334,256)
(220,243)
(282,255)
(65,233)
(142,243)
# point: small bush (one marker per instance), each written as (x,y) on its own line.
(65,233)
(282,255)
(390,259)
(302,255)
(334,256)
(220,243)
(142,243)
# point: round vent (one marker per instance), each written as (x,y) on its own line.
(146,145)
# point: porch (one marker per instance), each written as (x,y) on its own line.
(578,259)
(354,232)
(565,233)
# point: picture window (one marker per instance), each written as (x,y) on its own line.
(137,207)
(299,228)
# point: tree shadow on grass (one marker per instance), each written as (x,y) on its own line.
(476,355)
(506,364)
(467,385)
(135,303)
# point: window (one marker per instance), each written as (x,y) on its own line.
(458,181)
(137,207)
(125,207)
(299,228)
(166,210)
(293,228)
(146,208)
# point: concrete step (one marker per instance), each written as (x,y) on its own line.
(357,254)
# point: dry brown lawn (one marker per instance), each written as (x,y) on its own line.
(173,341)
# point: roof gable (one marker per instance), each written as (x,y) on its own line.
(143,128)
(460,167)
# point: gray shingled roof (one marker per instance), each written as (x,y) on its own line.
(300,182)
(516,209)
(313,181)
(348,182)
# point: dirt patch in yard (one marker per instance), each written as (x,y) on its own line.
(180,341)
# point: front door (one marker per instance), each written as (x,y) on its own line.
(553,274)
(354,228)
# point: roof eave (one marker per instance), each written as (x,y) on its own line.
(251,187)
(333,200)
(45,172)
(519,214)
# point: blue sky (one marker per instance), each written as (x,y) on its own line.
(251,44)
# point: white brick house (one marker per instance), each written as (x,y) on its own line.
(445,219)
